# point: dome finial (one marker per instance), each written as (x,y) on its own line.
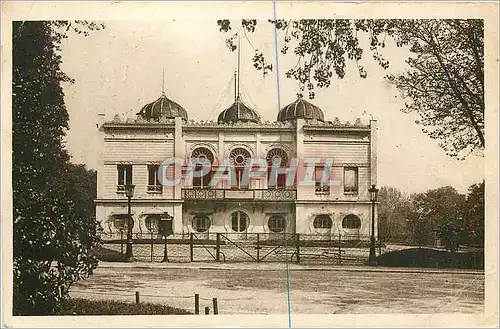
(238,67)
(163,81)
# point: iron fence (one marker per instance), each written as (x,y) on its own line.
(247,247)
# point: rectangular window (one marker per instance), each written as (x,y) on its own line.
(124,176)
(322,184)
(278,181)
(351,179)
(237,181)
(281,180)
(153,179)
(202,176)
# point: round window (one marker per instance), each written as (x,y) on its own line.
(201,223)
(276,223)
(120,222)
(322,222)
(239,157)
(351,222)
(239,221)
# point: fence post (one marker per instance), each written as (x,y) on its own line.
(207,310)
(152,246)
(258,247)
(191,248)
(379,245)
(121,241)
(297,241)
(137,297)
(217,247)
(196,304)
(340,249)
(216,306)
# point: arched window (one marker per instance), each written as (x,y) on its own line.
(239,221)
(202,159)
(239,158)
(276,157)
(351,222)
(151,222)
(323,221)
(276,223)
(201,223)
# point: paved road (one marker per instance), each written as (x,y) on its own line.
(264,290)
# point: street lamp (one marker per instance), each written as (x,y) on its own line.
(372,259)
(129,192)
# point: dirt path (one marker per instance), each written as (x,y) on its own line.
(265,291)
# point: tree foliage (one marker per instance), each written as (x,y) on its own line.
(393,212)
(453,218)
(53,236)
(444,82)
(474,214)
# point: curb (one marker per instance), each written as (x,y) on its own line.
(143,266)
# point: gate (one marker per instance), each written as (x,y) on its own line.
(252,248)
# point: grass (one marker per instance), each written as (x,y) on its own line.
(431,258)
(79,306)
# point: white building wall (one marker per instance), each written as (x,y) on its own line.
(305,214)
(258,216)
(140,147)
(139,213)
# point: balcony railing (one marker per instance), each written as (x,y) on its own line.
(322,189)
(154,188)
(225,194)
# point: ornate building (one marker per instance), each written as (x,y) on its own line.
(134,150)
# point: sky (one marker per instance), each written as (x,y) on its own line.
(119,69)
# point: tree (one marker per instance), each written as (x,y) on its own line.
(466,228)
(393,213)
(53,239)
(438,210)
(474,215)
(444,82)
(81,185)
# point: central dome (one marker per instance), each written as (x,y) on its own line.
(163,108)
(238,112)
(300,109)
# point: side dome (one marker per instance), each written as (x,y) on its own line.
(238,112)
(163,107)
(301,109)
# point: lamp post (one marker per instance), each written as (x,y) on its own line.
(372,259)
(129,192)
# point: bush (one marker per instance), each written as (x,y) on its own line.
(79,306)
(423,257)
(109,255)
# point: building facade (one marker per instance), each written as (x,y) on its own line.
(312,176)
